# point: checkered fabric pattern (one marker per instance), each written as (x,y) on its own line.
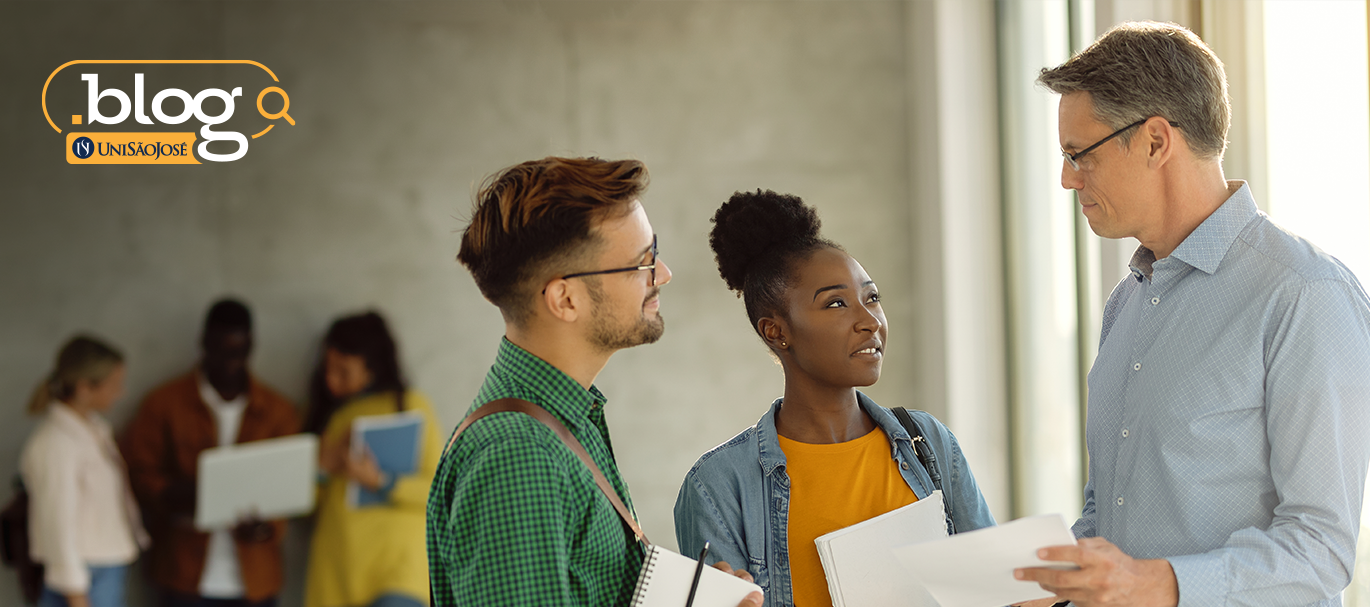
(514,517)
(1228,414)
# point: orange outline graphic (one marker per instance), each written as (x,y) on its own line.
(64,66)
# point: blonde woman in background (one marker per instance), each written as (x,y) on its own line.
(373,556)
(84,525)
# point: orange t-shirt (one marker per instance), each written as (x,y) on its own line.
(831,487)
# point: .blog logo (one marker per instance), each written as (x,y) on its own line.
(155,146)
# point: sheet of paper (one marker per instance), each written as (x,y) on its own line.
(859,560)
(975,568)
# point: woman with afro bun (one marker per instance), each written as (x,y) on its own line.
(824,456)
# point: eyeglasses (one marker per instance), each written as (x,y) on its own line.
(649,266)
(1074,159)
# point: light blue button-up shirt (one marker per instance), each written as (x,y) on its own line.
(1228,414)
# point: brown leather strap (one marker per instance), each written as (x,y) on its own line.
(522,406)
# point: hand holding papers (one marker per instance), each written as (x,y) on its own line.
(668,578)
(904,557)
(975,569)
(1104,572)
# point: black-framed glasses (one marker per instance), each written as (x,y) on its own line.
(650,266)
(1074,159)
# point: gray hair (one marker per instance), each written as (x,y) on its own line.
(1142,69)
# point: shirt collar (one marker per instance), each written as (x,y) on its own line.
(1206,246)
(768,440)
(211,396)
(548,385)
(66,418)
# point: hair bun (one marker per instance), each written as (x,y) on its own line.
(751,226)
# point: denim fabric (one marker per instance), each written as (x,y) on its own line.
(107,589)
(397,600)
(737,495)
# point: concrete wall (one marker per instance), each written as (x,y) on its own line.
(401,109)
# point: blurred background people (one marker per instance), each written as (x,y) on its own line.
(373,555)
(217,403)
(84,525)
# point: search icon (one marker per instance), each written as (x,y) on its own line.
(281,114)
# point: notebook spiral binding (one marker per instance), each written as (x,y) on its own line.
(644,577)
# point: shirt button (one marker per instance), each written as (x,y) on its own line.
(1136,366)
(1155,300)
(1124,432)
(904,465)
(1120,501)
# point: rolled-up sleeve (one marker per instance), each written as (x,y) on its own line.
(969,509)
(698,520)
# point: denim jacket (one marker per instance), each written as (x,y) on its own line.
(737,495)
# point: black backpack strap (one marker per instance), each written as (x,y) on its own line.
(927,457)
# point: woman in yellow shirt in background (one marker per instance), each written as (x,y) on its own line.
(825,456)
(372,556)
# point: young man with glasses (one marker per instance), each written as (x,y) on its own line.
(1228,403)
(563,248)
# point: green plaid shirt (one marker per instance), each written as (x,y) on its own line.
(514,517)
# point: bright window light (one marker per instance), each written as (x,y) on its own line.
(1318,125)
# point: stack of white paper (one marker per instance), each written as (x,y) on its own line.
(904,558)
(859,560)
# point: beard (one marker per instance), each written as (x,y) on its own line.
(610,332)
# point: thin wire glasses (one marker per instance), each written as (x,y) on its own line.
(650,266)
(1074,159)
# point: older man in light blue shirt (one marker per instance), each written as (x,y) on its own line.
(1229,405)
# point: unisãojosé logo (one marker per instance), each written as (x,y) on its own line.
(210,108)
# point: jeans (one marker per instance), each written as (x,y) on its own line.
(107,586)
(397,600)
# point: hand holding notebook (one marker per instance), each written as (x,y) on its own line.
(393,441)
(667,578)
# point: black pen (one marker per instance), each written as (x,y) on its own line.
(699,570)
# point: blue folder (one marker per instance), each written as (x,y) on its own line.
(394,442)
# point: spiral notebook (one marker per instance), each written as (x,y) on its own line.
(665,582)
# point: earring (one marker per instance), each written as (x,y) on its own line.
(784,345)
